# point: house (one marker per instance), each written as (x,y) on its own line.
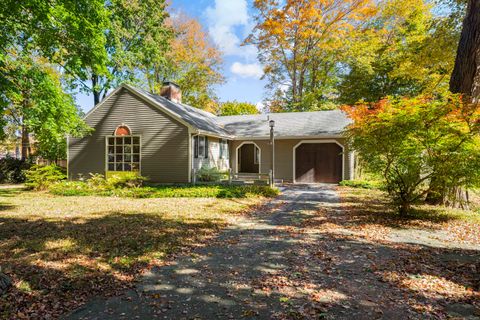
(168,141)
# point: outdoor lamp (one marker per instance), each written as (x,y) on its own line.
(272,123)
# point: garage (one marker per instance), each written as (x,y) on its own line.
(318,162)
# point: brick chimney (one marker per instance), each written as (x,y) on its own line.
(171,91)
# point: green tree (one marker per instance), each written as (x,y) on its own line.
(136,40)
(37,106)
(70,33)
(410,141)
(233,108)
(404,50)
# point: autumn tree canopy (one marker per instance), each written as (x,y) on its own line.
(318,54)
(193,62)
(298,41)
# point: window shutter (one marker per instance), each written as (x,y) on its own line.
(206,147)
(195,146)
(221,148)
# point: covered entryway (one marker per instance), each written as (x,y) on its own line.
(318,162)
(248,157)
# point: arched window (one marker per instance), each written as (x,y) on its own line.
(123,150)
(122,130)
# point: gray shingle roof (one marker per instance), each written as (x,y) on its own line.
(288,124)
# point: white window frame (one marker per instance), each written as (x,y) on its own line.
(123,153)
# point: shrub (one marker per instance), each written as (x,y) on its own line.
(42,177)
(71,188)
(126,179)
(82,188)
(209,174)
(12,170)
(96,180)
(418,143)
(248,191)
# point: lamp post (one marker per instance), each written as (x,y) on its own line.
(271,123)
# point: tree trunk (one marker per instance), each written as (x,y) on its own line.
(436,192)
(26,150)
(404,208)
(465,80)
(96,92)
(466,72)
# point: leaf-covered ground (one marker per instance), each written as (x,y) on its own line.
(60,251)
(317,253)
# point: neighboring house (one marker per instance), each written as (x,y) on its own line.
(168,141)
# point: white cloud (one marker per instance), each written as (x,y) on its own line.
(247,70)
(224,20)
(260,106)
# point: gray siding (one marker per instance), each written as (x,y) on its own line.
(284,157)
(165,141)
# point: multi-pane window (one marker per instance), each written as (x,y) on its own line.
(123,153)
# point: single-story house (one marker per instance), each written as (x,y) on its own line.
(168,141)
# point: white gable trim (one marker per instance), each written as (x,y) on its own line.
(158,105)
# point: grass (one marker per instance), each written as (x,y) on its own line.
(363,184)
(76,188)
(60,251)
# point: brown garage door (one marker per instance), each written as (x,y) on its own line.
(318,162)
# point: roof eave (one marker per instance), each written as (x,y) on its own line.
(322,136)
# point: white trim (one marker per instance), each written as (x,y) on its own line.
(213,135)
(190,156)
(172,114)
(318,141)
(259,155)
(139,152)
(68,157)
(123,125)
(159,106)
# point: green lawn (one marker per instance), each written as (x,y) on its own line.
(61,250)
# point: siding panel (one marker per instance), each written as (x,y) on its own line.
(213,160)
(165,141)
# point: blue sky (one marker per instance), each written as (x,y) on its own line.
(227,22)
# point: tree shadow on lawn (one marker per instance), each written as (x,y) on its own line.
(60,263)
(278,270)
(11,192)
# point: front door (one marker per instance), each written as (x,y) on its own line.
(248,158)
